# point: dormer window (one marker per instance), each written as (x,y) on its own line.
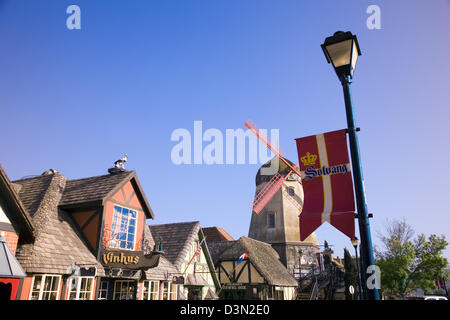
(123,235)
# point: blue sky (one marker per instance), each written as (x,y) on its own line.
(76,100)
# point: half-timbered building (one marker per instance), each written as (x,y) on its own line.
(15,227)
(184,247)
(260,275)
(91,240)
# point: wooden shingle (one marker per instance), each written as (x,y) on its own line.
(177,238)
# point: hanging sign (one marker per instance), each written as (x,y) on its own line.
(128,259)
(178,280)
(327,183)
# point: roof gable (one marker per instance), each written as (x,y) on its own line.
(15,210)
(215,234)
(263,257)
(93,191)
(176,238)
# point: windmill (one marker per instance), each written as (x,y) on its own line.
(271,188)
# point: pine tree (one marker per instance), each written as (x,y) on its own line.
(350,276)
(326,256)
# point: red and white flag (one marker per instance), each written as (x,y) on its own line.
(196,253)
(327,183)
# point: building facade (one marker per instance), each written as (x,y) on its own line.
(184,247)
(91,240)
(15,227)
(251,270)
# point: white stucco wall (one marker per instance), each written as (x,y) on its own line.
(3,217)
(198,266)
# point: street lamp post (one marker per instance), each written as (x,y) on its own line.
(355,245)
(342,50)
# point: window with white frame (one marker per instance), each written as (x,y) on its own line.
(45,287)
(124,223)
(150,290)
(173,291)
(124,290)
(103,289)
(80,288)
(165,290)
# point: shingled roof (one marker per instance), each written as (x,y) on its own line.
(31,191)
(215,234)
(165,270)
(217,248)
(93,188)
(96,189)
(57,245)
(47,199)
(177,238)
(262,256)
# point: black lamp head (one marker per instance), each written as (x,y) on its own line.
(342,50)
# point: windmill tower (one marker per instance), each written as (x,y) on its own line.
(278,223)
(276,208)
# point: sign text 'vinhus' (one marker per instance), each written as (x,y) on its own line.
(120,258)
(132,260)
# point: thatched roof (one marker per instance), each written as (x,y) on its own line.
(261,255)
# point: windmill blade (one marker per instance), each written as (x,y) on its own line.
(275,149)
(269,190)
(266,193)
(264,138)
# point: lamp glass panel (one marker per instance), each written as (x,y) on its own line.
(354,56)
(340,53)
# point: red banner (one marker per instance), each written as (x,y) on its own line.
(327,183)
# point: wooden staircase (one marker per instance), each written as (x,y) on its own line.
(312,284)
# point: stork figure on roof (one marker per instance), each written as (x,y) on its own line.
(120,164)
